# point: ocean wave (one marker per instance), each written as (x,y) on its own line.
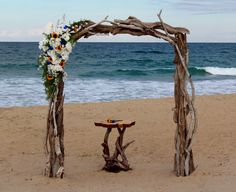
(31,90)
(138,60)
(131,72)
(226,51)
(114,73)
(139,72)
(194,71)
(219,71)
(165,70)
(19,65)
(150,51)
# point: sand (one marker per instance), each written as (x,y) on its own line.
(151,156)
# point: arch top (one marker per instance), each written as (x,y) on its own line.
(132,26)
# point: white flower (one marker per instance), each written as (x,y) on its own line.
(65,57)
(45,48)
(53,69)
(52,42)
(56,61)
(65,54)
(57,42)
(65,75)
(43,43)
(69,47)
(66,36)
(42,60)
(52,54)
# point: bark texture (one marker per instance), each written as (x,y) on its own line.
(131,26)
(54,140)
(184,107)
(113,164)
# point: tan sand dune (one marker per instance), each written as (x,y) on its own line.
(151,156)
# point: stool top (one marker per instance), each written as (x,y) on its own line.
(115,124)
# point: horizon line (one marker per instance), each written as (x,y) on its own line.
(121,42)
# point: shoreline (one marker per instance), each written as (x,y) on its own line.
(151,156)
(125,100)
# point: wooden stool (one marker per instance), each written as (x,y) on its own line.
(113,164)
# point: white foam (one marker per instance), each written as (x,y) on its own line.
(211,87)
(219,70)
(30,91)
(21,92)
(110,90)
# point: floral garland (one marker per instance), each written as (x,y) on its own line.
(56,47)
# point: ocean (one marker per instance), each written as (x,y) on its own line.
(115,71)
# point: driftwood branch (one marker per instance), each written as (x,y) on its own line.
(88,28)
(55,135)
(185,130)
(113,163)
(132,26)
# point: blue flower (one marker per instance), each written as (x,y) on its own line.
(50,48)
(65,27)
(58,55)
(48,62)
(63,41)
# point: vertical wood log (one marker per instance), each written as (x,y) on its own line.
(106,150)
(113,164)
(55,135)
(183,162)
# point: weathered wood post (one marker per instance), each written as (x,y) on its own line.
(55,134)
(183,162)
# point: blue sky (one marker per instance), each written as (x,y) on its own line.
(207,20)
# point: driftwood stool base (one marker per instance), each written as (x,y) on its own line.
(113,163)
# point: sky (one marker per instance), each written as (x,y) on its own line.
(207,20)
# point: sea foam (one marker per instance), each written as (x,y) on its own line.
(30,91)
(219,70)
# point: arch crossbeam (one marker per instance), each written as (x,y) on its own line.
(131,26)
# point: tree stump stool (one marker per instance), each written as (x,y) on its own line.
(113,164)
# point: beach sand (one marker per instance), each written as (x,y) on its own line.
(151,156)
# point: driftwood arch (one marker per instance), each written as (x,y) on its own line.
(184,115)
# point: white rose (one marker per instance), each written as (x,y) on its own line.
(65,54)
(57,42)
(42,43)
(56,61)
(45,48)
(66,36)
(69,47)
(65,57)
(52,54)
(55,68)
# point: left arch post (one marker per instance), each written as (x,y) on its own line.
(55,134)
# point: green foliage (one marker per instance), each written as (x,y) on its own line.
(80,23)
(50,85)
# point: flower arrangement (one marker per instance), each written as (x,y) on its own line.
(56,47)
